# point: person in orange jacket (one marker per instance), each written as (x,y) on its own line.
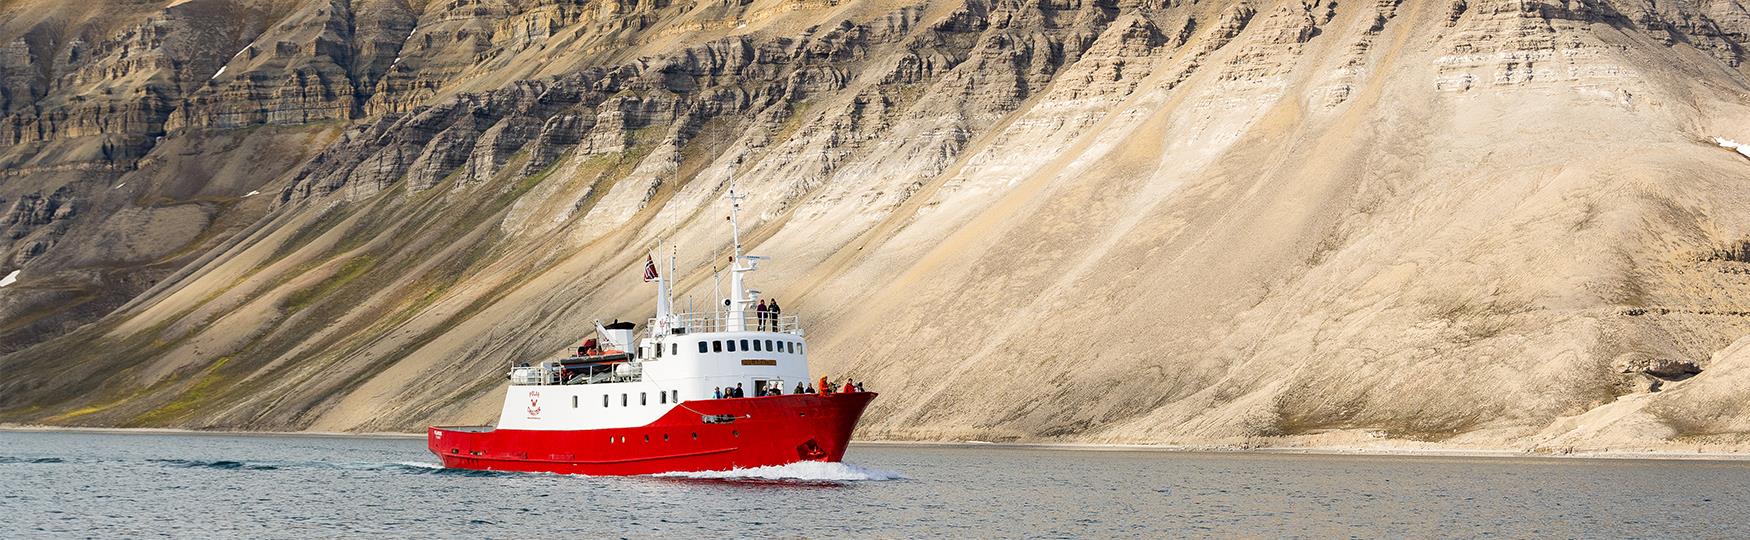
(825,388)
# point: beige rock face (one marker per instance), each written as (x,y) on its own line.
(1476,223)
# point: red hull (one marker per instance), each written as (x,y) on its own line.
(774,430)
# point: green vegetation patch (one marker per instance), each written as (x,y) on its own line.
(197,394)
(351,270)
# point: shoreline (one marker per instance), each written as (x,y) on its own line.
(1321,451)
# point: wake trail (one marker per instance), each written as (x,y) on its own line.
(804,471)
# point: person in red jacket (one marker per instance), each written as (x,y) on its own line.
(848,386)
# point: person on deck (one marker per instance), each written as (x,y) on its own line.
(717,393)
(772,312)
(761,311)
(860,387)
(799,389)
(848,386)
(738,391)
(825,387)
(809,390)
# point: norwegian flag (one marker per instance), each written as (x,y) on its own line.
(649,268)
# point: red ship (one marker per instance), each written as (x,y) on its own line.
(619,407)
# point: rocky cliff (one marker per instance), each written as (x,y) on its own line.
(1473,222)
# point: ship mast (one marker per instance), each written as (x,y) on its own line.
(739,264)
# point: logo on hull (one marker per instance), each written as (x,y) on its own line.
(534,403)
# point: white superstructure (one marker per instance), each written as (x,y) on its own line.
(680,357)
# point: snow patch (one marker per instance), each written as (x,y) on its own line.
(221,71)
(1743,149)
(9,279)
(251,194)
(119,186)
(807,471)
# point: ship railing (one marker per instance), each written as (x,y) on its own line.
(722,321)
(542,375)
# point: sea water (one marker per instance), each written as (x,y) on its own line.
(128,485)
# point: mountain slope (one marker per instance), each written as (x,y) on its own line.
(1227,222)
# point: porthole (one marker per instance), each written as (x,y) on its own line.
(735,433)
(695,435)
(646,437)
(665,437)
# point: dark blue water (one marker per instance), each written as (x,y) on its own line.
(63,484)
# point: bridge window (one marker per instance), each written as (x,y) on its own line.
(716,346)
(731,347)
(744,344)
(702,346)
(756,344)
(792,347)
(801,348)
(769,345)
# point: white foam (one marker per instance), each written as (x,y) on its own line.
(1743,149)
(419,464)
(10,278)
(804,470)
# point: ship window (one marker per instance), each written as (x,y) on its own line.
(702,347)
(756,345)
(643,398)
(716,346)
(573,402)
(769,345)
(731,347)
(604,400)
(744,344)
(662,397)
(675,348)
(624,400)
(659,350)
(676,395)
